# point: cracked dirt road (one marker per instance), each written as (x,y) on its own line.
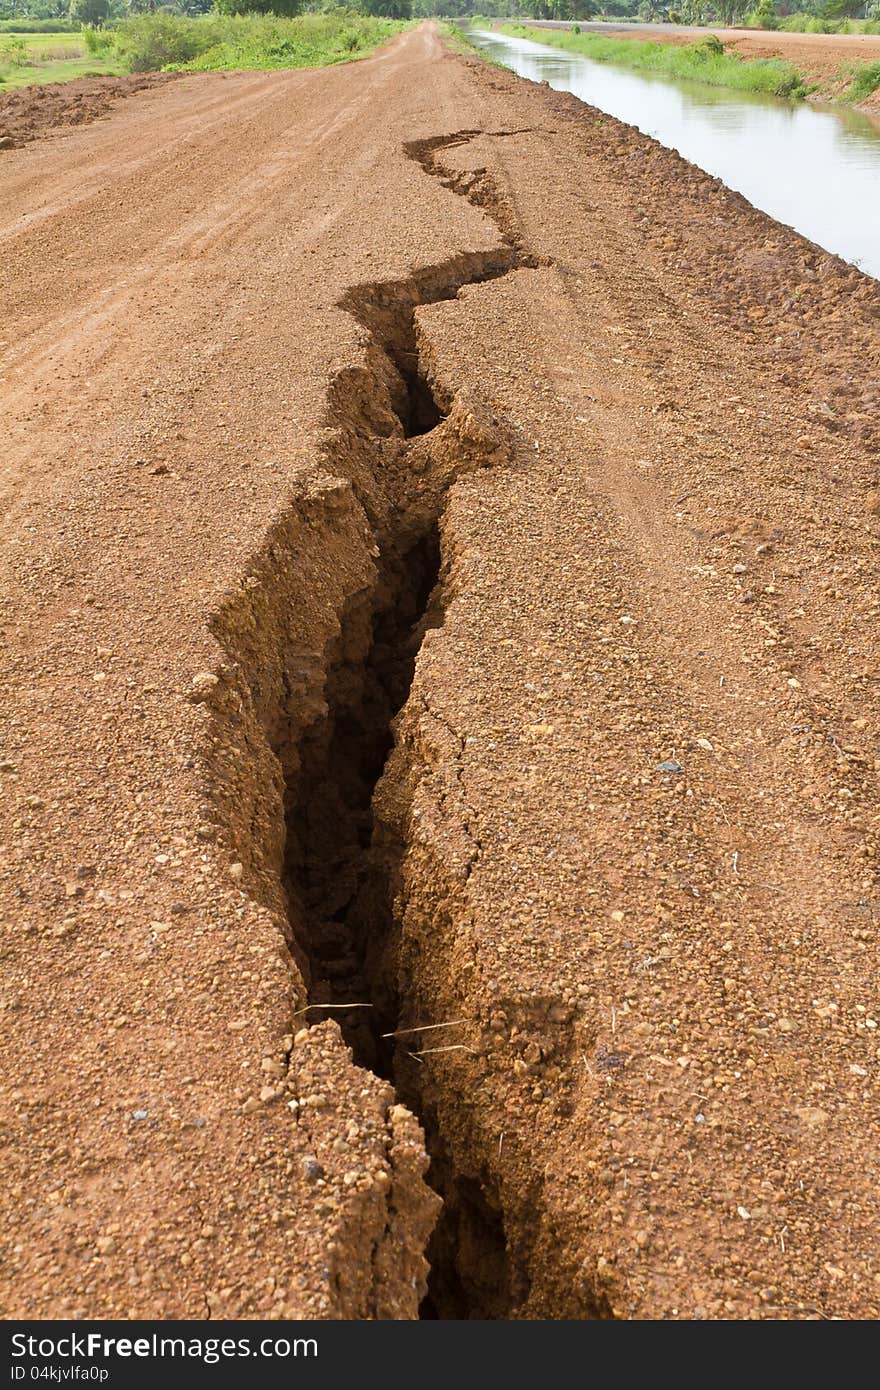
(436,566)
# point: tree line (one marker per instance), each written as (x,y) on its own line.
(768,13)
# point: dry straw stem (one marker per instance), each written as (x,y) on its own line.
(330,1006)
(453,1047)
(425,1028)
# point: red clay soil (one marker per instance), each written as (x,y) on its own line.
(440,531)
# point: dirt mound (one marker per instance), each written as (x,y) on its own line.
(30,112)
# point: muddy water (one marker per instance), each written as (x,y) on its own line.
(816,169)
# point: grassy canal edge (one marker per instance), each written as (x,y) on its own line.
(707,60)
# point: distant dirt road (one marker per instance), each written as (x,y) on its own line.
(437,581)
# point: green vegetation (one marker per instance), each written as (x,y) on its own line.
(851,9)
(38,26)
(457,39)
(224,43)
(203,43)
(865,80)
(95,12)
(764,16)
(807,16)
(811,16)
(34,58)
(802,24)
(59,16)
(149,42)
(705,61)
(820,24)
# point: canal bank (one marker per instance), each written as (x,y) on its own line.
(824,60)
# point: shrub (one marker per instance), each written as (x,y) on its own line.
(149,42)
(865,80)
(223,43)
(807,24)
(97,40)
(765,16)
(14,52)
(283,8)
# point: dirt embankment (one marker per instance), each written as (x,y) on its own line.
(27,113)
(439,539)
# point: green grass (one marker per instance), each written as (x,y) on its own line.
(865,80)
(28,60)
(457,38)
(705,61)
(43,45)
(225,43)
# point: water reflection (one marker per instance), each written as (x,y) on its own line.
(815,168)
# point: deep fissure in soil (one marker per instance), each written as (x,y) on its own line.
(329,802)
(340,898)
(471,1272)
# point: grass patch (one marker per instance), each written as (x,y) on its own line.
(457,38)
(705,61)
(463,41)
(865,80)
(43,47)
(227,43)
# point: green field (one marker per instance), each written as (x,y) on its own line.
(26,59)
